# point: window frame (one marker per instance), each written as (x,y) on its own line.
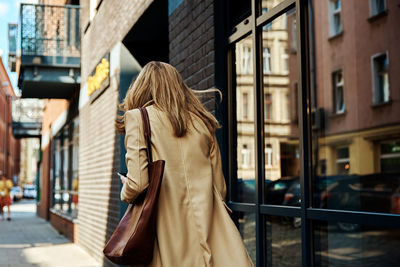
(333,12)
(227,78)
(373,8)
(336,84)
(375,74)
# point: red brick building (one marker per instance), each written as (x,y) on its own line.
(9,146)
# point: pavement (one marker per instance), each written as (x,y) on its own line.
(28,240)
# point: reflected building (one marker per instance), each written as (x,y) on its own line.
(357,130)
(280,119)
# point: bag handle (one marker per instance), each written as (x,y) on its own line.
(147,132)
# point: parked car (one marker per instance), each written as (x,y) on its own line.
(16,193)
(30,191)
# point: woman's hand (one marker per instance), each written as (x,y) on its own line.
(123,178)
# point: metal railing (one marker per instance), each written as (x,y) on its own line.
(48,30)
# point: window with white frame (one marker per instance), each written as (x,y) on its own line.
(268,155)
(377,7)
(245,156)
(338,92)
(247,66)
(245,106)
(380,78)
(267,60)
(335,21)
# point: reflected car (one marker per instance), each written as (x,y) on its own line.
(16,193)
(369,193)
(30,191)
(274,190)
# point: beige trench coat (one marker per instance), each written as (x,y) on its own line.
(194,228)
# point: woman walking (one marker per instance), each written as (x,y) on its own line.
(5,199)
(194,228)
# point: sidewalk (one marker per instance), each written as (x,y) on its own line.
(31,241)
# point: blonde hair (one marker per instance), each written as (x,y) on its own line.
(161,84)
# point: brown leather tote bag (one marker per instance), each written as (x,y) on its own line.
(132,242)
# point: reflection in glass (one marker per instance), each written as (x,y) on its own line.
(283,245)
(355,121)
(245,121)
(381,79)
(281,129)
(247,229)
(346,244)
(267,5)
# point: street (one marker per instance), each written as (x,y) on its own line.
(28,240)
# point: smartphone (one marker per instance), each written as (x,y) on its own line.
(123,177)
(122,174)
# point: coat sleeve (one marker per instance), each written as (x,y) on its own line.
(135,157)
(218,176)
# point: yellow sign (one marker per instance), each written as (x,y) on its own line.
(101,74)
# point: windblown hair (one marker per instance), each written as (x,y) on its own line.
(161,84)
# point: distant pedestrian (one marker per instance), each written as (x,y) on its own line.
(193,224)
(5,199)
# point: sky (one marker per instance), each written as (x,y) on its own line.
(9,13)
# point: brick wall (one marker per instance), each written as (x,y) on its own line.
(99,150)
(111,23)
(98,164)
(9,146)
(191,36)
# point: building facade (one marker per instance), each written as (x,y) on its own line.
(10,147)
(310,132)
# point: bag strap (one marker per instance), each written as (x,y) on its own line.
(147,132)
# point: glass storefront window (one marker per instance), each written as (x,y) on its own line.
(355,126)
(65,155)
(347,244)
(245,121)
(57,172)
(247,228)
(282,161)
(283,243)
(342,95)
(268,5)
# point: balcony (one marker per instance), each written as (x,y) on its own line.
(27,117)
(50,51)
